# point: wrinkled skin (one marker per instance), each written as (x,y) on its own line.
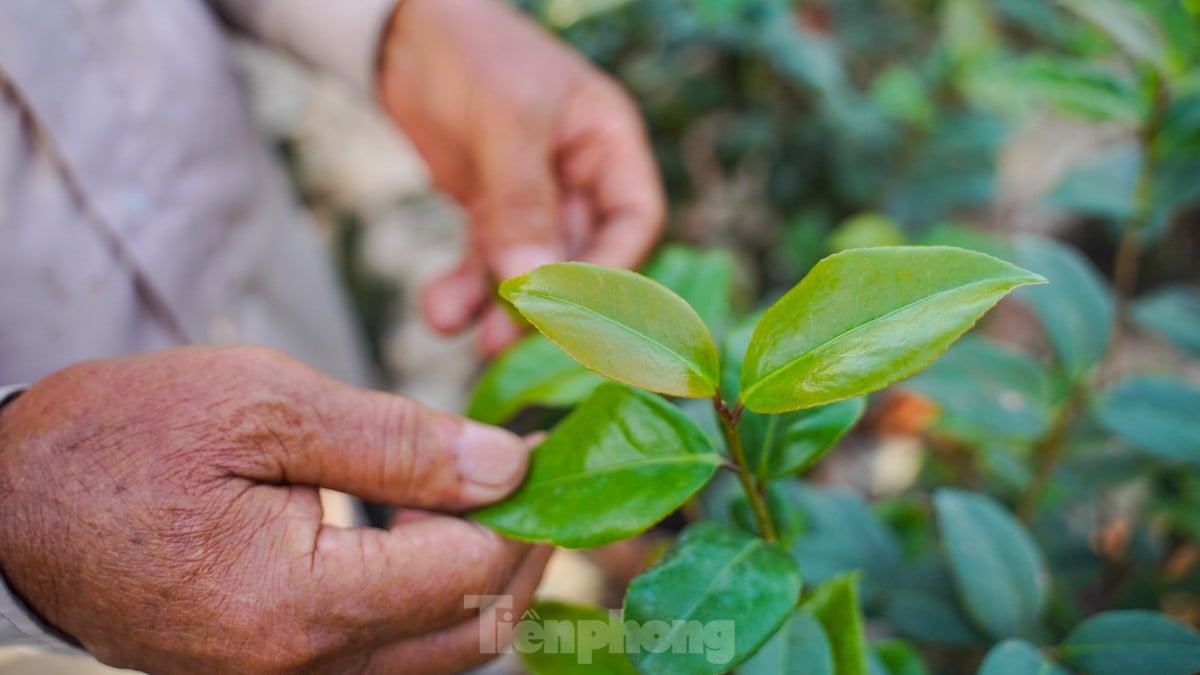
(547,155)
(160,509)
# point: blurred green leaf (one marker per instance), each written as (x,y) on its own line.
(1102,186)
(1078,88)
(987,392)
(1129,26)
(1156,415)
(899,657)
(998,569)
(620,324)
(704,279)
(1172,312)
(930,618)
(864,231)
(865,318)
(532,372)
(1132,641)
(587,481)
(778,446)
(1018,657)
(900,94)
(718,577)
(843,535)
(799,648)
(835,605)
(541,655)
(1075,308)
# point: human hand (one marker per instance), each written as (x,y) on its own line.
(162,510)
(546,154)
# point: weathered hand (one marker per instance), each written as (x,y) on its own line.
(546,153)
(162,510)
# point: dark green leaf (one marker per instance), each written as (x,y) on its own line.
(557,638)
(1174,313)
(621,325)
(533,372)
(1103,185)
(931,618)
(1132,641)
(865,318)
(1018,657)
(778,446)
(843,535)
(1161,417)
(1075,308)
(587,483)
(835,605)
(704,279)
(987,392)
(713,580)
(998,570)
(799,648)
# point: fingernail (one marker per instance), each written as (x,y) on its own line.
(520,259)
(492,460)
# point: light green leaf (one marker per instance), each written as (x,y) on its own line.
(1132,641)
(1174,313)
(1078,88)
(718,589)
(987,392)
(778,446)
(1129,26)
(621,325)
(1159,416)
(1075,308)
(865,318)
(835,604)
(533,372)
(899,657)
(799,648)
(1018,657)
(865,230)
(588,482)
(704,279)
(556,638)
(998,570)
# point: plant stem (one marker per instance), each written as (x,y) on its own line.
(750,484)
(1048,451)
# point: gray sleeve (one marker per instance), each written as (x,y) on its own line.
(19,626)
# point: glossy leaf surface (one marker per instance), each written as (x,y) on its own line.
(1132,641)
(1018,657)
(1075,308)
(533,372)
(866,318)
(618,464)
(713,574)
(1159,416)
(620,324)
(778,446)
(997,568)
(549,628)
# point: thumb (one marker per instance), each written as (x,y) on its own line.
(520,227)
(394,450)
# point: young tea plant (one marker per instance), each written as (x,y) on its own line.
(626,457)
